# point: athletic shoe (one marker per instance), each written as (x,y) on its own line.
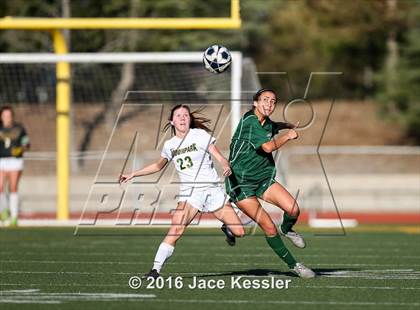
(152,273)
(230,238)
(303,271)
(5,215)
(296,238)
(14,222)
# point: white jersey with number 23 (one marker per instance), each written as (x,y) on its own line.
(191,158)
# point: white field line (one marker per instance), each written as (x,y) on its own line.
(14,301)
(77,295)
(396,274)
(62,272)
(125,285)
(24,296)
(198,274)
(358,287)
(63,285)
(137,254)
(381,271)
(347,252)
(286,302)
(21,291)
(14,261)
(219,301)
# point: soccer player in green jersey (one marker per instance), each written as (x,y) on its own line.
(253,173)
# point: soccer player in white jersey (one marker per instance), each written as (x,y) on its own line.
(191,149)
(14,141)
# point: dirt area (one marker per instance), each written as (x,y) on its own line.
(350,123)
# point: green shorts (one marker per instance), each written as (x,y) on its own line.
(238,191)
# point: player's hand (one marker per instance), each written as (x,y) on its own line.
(227,171)
(125,178)
(292,134)
(17,151)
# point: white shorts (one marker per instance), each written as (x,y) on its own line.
(11,164)
(204,199)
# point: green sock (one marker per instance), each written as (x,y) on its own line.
(278,246)
(288,223)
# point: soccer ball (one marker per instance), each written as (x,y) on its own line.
(217,58)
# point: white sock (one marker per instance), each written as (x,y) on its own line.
(3,201)
(164,252)
(14,203)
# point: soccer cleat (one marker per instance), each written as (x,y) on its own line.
(14,222)
(152,273)
(230,238)
(5,215)
(303,271)
(295,238)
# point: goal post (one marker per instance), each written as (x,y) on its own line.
(231,22)
(63,127)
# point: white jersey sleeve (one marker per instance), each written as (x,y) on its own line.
(166,152)
(205,138)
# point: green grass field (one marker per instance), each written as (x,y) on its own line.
(49,268)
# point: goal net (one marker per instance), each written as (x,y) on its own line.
(100,83)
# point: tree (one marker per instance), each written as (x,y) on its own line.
(399,81)
(327,35)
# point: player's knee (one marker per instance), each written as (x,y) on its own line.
(294,212)
(238,231)
(270,230)
(177,231)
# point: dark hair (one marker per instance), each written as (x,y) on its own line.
(262,90)
(196,121)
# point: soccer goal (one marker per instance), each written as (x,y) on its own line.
(100,82)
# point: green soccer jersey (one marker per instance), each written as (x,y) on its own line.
(248,161)
(253,170)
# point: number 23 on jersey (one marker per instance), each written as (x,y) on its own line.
(185,162)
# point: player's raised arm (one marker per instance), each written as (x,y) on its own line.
(279,141)
(214,151)
(149,169)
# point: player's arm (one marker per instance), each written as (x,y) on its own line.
(214,151)
(149,169)
(279,141)
(24,140)
(23,144)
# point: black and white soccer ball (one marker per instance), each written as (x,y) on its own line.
(217,58)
